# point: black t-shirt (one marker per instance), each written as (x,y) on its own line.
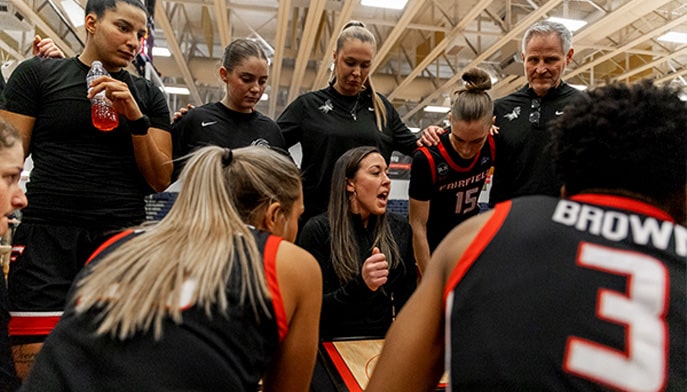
(351,309)
(214,124)
(451,184)
(524,165)
(570,294)
(327,124)
(81,175)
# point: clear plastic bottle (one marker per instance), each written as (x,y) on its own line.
(103,115)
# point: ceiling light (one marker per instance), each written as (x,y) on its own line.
(161,52)
(674,36)
(436,109)
(177,90)
(388,4)
(572,24)
(264,97)
(74,12)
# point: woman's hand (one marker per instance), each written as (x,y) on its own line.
(430,136)
(181,112)
(375,270)
(45,47)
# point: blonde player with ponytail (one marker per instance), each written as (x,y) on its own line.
(213,297)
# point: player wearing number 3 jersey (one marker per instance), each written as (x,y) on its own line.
(584,293)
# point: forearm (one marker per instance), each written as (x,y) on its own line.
(418,215)
(421,247)
(153,154)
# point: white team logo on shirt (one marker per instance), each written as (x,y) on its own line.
(207,123)
(260,142)
(514,114)
(442,169)
(327,107)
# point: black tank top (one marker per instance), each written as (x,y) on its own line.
(220,352)
(580,294)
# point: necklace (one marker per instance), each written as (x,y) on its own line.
(354,111)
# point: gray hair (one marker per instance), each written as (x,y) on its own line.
(545,27)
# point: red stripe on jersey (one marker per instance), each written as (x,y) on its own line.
(624,203)
(32,324)
(107,243)
(454,165)
(270,261)
(492,147)
(432,166)
(477,246)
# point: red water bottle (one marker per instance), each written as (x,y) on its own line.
(103,115)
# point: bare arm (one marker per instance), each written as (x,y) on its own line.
(300,281)
(418,213)
(412,357)
(153,151)
(24,124)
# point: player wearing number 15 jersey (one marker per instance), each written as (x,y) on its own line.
(446,179)
(584,293)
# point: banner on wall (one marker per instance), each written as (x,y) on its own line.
(399,167)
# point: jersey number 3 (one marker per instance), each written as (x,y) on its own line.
(642,366)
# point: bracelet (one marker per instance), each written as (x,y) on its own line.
(139,127)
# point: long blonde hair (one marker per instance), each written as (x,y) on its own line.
(203,236)
(357,30)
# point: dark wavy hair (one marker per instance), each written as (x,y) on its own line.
(622,137)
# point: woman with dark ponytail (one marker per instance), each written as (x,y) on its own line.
(232,122)
(446,179)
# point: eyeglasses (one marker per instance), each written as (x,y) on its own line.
(535,113)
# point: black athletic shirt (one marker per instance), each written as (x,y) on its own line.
(524,165)
(581,294)
(214,124)
(222,352)
(351,309)
(81,176)
(327,124)
(450,183)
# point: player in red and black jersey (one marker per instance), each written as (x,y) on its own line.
(200,301)
(581,293)
(446,179)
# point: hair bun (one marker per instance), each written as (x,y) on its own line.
(354,23)
(476,80)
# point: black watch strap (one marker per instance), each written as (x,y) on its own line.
(139,127)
